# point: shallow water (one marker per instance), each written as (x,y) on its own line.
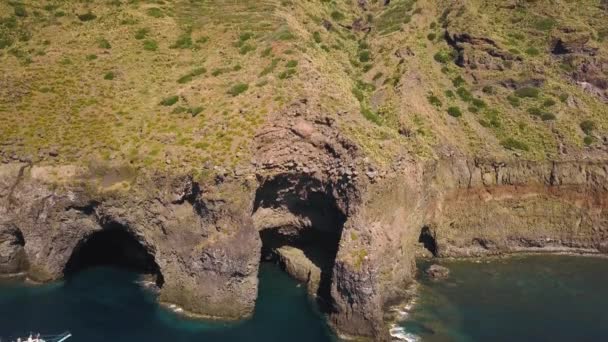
(532,298)
(104,304)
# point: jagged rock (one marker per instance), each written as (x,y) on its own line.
(300,267)
(438,272)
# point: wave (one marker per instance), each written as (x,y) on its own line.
(399,333)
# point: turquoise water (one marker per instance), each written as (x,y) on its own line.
(104,304)
(535,298)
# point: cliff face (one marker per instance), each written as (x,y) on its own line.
(353,230)
(492,207)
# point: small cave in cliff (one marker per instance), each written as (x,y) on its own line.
(113,246)
(428,240)
(300,224)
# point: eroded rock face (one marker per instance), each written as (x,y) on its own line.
(310,192)
(12,254)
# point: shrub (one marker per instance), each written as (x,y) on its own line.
(364,56)
(377,76)
(150,45)
(544,24)
(548,117)
(291,64)
(183,42)
(442,57)
(455,112)
(245,36)
(431,36)
(266,52)
(458,81)
(141,33)
(287,74)
(473,109)
(169,101)
(270,68)
(335,15)
(87,16)
(488,89)
(532,51)
(514,101)
(588,140)
(549,103)
(512,144)
(109,76)
(587,126)
(189,76)
(478,103)
(434,100)
(20,11)
(194,111)
(103,43)
(464,94)
(246,49)
(316,36)
(530,92)
(155,12)
(450,94)
(358,94)
(238,89)
(371,116)
(535,111)
(91,57)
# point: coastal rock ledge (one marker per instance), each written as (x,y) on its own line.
(349,228)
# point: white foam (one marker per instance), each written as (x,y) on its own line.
(400,334)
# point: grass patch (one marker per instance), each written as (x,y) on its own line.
(103,43)
(238,89)
(109,76)
(191,75)
(513,144)
(527,92)
(434,100)
(587,126)
(155,12)
(169,101)
(150,45)
(455,112)
(142,33)
(270,68)
(87,16)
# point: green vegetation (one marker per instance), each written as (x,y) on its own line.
(238,89)
(150,45)
(513,144)
(169,101)
(455,112)
(109,76)
(531,92)
(191,75)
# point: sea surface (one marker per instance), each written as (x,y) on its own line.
(105,304)
(532,298)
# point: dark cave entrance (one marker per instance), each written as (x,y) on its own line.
(113,246)
(427,238)
(304,231)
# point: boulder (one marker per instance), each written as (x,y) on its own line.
(437,272)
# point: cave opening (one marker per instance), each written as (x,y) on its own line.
(427,238)
(300,225)
(113,246)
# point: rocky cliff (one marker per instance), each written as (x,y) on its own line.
(349,228)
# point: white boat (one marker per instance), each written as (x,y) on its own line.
(45,338)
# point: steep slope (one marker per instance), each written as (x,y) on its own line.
(339,137)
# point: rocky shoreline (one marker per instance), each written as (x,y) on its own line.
(348,228)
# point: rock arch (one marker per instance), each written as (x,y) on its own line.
(113,245)
(300,224)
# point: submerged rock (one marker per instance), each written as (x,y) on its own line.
(438,272)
